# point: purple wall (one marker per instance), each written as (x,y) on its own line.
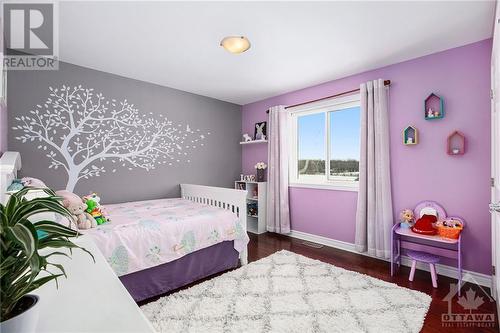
(422,172)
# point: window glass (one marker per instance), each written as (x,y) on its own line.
(311,145)
(344,144)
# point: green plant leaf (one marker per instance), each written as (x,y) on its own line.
(23,237)
(11,205)
(58,243)
(4,221)
(60,267)
(56,228)
(40,205)
(57,253)
(40,282)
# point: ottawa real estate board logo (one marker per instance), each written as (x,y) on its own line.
(472,309)
(30,30)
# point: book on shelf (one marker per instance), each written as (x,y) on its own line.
(252,209)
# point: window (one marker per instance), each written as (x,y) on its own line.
(326,131)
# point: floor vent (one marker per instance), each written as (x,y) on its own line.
(311,244)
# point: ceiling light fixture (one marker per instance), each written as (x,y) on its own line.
(235,44)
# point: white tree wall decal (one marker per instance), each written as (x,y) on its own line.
(80,129)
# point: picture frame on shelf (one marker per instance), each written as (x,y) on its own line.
(260,131)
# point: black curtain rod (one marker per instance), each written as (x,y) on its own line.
(386,83)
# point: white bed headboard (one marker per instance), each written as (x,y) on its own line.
(10,163)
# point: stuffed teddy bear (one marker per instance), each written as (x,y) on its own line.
(94,208)
(74,204)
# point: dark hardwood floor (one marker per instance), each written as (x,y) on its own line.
(263,245)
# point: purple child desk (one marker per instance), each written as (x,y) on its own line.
(403,238)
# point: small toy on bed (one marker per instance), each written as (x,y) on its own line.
(19,184)
(15,186)
(94,208)
(33,182)
(407,218)
(74,204)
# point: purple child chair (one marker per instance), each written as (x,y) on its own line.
(426,258)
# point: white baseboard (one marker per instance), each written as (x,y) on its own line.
(469,276)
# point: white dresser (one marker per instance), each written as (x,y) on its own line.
(91,299)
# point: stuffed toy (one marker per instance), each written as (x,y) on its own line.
(407,218)
(33,182)
(74,204)
(16,185)
(94,208)
(19,184)
(424,225)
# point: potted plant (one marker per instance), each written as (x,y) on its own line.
(20,260)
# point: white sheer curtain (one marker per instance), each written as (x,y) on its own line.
(278,212)
(374,218)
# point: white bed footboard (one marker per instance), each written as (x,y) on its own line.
(226,198)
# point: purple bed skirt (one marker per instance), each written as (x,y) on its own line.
(163,278)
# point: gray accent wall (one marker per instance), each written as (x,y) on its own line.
(217,162)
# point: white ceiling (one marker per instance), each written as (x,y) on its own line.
(294,44)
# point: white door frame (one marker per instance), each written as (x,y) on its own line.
(495,157)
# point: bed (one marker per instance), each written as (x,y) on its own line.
(157,246)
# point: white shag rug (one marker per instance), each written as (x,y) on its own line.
(287,292)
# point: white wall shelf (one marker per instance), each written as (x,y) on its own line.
(256,195)
(252,142)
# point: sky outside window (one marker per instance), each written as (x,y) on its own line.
(344,134)
(311,137)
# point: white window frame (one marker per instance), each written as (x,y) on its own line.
(326,106)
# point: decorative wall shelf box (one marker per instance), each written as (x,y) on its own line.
(410,136)
(455,144)
(252,142)
(433,107)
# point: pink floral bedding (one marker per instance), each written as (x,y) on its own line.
(144,234)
